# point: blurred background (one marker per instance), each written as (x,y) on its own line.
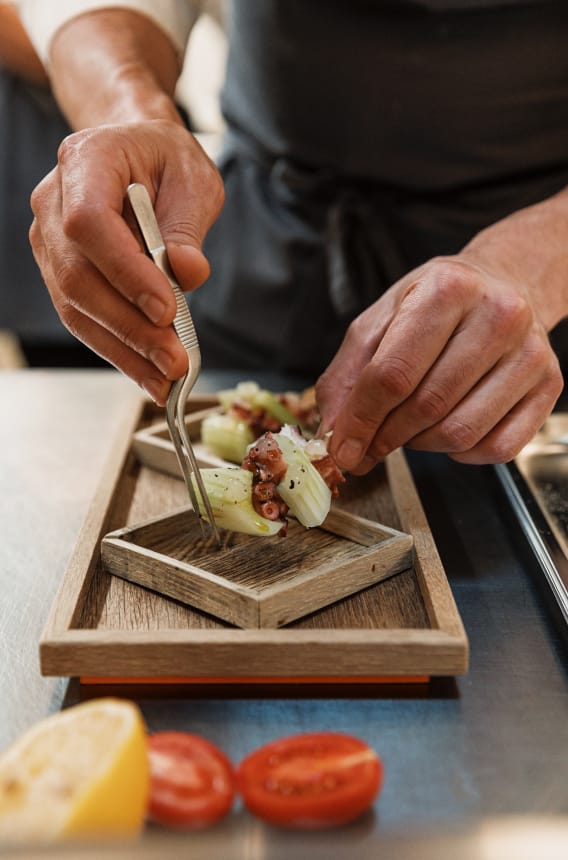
(31,128)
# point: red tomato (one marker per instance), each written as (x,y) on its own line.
(192,782)
(310,780)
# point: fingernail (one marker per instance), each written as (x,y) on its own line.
(367,463)
(162,360)
(152,307)
(154,388)
(349,453)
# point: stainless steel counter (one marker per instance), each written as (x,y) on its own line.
(493,743)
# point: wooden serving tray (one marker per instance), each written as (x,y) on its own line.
(105,627)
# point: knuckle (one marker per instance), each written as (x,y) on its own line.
(73,145)
(552,384)
(70,147)
(359,333)
(457,435)
(67,276)
(556,382)
(78,218)
(511,313)
(66,148)
(42,195)
(181,225)
(431,404)
(537,360)
(538,349)
(128,332)
(504,448)
(395,376)
(67,145)
(38,197)
(452,278)
(192,220)
(363,423)
(352,332)
(546,363)
(70,317)
(34,235)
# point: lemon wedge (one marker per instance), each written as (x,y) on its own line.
(82,772)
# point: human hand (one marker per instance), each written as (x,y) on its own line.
(453,358)
(107,292)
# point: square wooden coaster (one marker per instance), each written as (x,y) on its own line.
(154,447)
(256,582)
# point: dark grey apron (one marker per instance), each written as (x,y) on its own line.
(364,138)
(31,128)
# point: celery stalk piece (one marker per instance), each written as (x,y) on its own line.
(226,436)
(245,392)
(257,398)
(302,487)
(230,494)
(268,401)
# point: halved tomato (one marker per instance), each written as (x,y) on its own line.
(192,782)
(310,780)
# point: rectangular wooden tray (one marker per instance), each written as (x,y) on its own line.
(104,627)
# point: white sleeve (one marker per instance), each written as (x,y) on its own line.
(42,18)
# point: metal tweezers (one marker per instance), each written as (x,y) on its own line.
(183,324)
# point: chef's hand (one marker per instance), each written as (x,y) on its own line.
(107,292)
(452,358)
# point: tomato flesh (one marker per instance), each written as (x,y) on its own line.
(192,782)
(310,780)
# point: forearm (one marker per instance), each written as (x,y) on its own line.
(16,51)
(113,66)
(530,247)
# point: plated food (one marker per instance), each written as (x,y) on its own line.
(248,411)
(281,474)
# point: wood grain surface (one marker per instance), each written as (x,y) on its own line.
(257,582)
(104,625)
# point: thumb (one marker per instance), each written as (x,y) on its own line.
(336,383)
(189,264)
(185,220)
